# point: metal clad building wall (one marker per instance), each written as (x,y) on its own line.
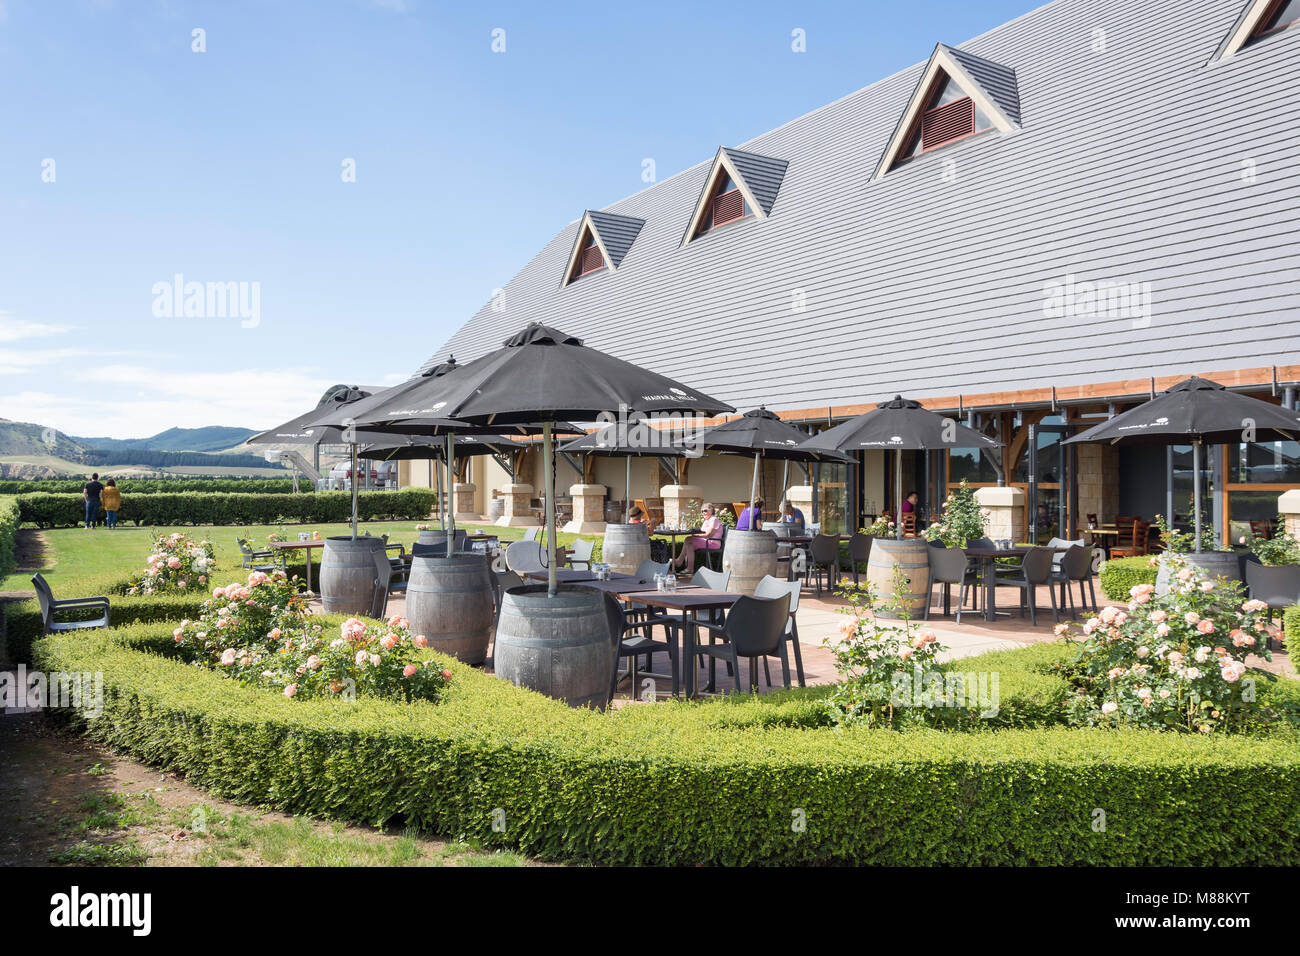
(1130,166)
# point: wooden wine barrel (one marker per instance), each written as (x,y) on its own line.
(1215,564)
(347,574)
(749,556)
(438,538)
(626,546)
(913,556)
(559,646)
(450,602)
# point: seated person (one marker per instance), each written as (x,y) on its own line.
(710,540)
(790,514)
(636,515)
(751,519)
(909,504)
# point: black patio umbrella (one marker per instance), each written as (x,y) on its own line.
(900,425)
(543,375)
(618,441)
(1194,412)
(762,434)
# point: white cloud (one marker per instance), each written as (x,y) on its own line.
(16,330)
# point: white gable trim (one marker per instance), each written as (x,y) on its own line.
(721,164)
(585,226)
(1245,29)
(941,63)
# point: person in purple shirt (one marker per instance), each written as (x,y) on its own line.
(751,519)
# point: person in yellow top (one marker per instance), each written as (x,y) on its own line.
(111,500)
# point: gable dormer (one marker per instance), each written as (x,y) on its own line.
(739,185)
(959,95)
(603,241)
(1260,20)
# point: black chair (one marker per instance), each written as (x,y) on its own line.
(1075,565)
(502,581)
(1278,587)
(266,560)
(384,584)
(713,556)
(77,606)
(770,587)
(755,627)
(859,553)
(639,643)
(949,566)
(823,557)
(1035,570)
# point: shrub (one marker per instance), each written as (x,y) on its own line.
(963,519)
(1175,661)
(196,508)
(9,521)
(1291,629)
(175,564)
(744,780)
(151,486)
(1120,575)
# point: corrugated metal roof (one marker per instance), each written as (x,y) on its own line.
(998,81)
(617,233)
(762,175)
(1139,161)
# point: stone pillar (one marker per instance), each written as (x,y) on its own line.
(679,499)
(1006,510)
(464,508)
(1288,506)
(588,510)
(801,497)
(518,513)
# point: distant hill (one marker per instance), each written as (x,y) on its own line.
(26,438)
(210,438)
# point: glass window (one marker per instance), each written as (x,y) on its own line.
(970,464)
(1274,462)
(1048,462)
(1283,16)
(833,498)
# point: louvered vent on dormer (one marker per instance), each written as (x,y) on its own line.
(947,123)
(728,207)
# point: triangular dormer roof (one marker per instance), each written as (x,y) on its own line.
(613,234)
(1253,17)
(757,177)
(992,86)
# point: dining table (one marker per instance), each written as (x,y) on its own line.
(299,546)
(988,571)
(687,602)
(672,534)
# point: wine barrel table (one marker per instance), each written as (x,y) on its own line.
(889,554)
(750,556)
(450,602)
(559,646)
(625,547)
(347,574)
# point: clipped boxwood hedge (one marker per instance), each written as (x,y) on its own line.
(151,486)
(732,781)
(9,521)
(1119,575)
(1291,629)
(220,508)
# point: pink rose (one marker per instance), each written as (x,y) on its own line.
(361,658)
(1205,627)
(1109,707)
(388,641)
(291,690)
(420,640)
(228,657)
(1191,617)
(410,670)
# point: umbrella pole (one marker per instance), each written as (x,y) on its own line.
(898,491)
(450,516)
(785,478)
(753,493)
(355,486)
(548,458)
(627,490)
(1196,489)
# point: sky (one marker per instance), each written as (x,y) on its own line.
(212,211)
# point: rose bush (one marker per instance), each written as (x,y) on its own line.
(962,521)
(242,618)
(1175,662)
(175,564)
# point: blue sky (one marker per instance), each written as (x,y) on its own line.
(227,166)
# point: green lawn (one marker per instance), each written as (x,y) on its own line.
(74,553)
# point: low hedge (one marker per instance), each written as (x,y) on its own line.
(10,518)
(1119,575)
(1291,629)
(154,486)
(221,508)
(732,781)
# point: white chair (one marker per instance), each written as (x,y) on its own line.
(770,587)
(523,557)
(530,534)
(1060,546)
(580,554)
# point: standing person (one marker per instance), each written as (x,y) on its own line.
(751,519)
(709,540)
(112,501)
(90,493)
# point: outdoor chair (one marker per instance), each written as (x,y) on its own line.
(1278,587)
(398,561)
(949,566)
(1035,571)
(1092,520)
(530,534)
(823,556)
(645,571)
(580,554)
(985,542)
(1136,546)
(755,627)
(653,508)
(1061,545)
(1075,565)
(384,584)
(502,581)
(623,633)
(909,525)
(770,587)
(713,556)
(78,607)
(265,560)
(525,556)
(859,553)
